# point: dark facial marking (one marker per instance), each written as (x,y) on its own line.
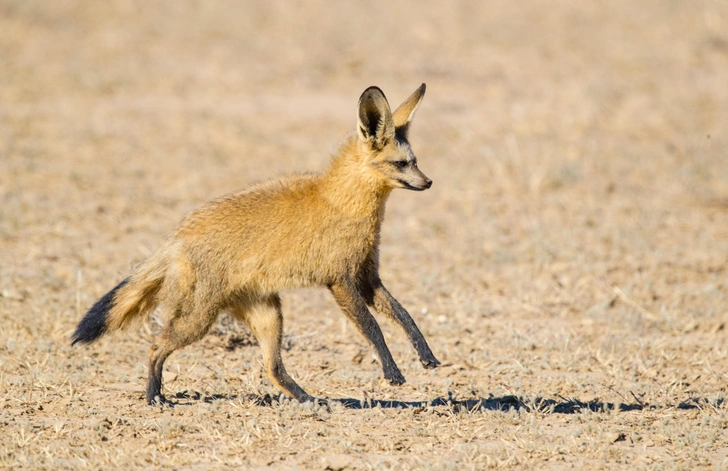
(400,164)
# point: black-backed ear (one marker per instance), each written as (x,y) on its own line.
(404,113)
(375,123)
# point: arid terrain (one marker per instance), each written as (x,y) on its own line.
(568,266)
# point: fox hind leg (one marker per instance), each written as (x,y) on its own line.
(181,330)
(266,321)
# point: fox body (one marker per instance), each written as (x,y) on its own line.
(236,253)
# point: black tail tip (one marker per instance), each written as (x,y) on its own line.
(91,327)
(93,324)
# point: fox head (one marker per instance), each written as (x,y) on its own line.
(383,137)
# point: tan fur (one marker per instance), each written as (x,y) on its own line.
(139,295)
(236,253)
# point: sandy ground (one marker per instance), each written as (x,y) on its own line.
(568,266)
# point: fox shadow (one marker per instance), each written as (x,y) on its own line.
(451,404)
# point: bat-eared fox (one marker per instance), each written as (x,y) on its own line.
(314,230)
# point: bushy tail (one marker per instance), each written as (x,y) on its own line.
(117,308)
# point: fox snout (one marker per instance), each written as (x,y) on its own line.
(426,184)
(414,179)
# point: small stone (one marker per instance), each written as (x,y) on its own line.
(358,357)
(337,462)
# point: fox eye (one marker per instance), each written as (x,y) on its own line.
(400,163)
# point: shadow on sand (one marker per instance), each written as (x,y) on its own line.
(503,404)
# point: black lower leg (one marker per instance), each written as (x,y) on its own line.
(154,386)
(154,391)
(387,305)
(353,305)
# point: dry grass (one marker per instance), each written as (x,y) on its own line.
(568,266)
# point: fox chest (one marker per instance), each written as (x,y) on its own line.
(342,247)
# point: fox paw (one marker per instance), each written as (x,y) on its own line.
(158,400)
(396,380)
(430,363)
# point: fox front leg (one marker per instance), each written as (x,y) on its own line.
(388,306)
(355,308)
(375,294)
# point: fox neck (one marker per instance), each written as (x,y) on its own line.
(352,188)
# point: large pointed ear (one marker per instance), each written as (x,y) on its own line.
(406,111)
(375,123)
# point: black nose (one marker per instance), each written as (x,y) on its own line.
(428,183)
